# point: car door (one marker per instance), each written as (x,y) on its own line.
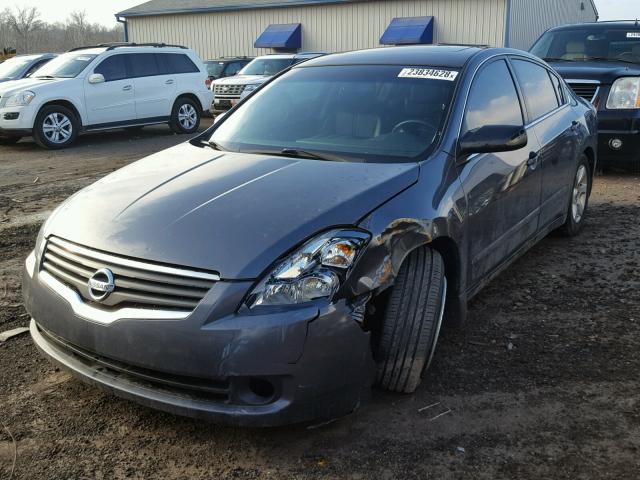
(502,189)
(112,101)
(557,131)
(155,85)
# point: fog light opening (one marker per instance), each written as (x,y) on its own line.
(615,144)
(261,388)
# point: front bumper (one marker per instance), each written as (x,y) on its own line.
(16,121)
(223,104)
(623,125)
(234,368)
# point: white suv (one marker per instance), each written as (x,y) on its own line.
(106,87)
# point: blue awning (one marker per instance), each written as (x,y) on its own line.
(287,36)
(408,31)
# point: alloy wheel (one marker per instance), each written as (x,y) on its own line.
(187,116)
(57,128)
(579,196)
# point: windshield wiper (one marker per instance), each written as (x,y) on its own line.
(557,59)
(45,76)
(214,145)
(296,153)
(606,59)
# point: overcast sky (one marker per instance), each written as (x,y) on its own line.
(102,11)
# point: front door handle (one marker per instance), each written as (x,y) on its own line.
(169,82)
(532,161)
(126,88)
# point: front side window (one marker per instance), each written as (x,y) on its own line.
(344,113)
(266,66)
(112,68)
(587,44)
(233,68)
(68,65)
(143,65)
(539,93)
(493,99)
(557,85)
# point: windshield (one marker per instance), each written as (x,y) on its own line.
(350,113)
(266,66)
(68,65)
(590,44)
(12,67)
(214,69)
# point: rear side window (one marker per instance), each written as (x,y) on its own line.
(177,63)
(539,93)
(113,68)
(144,65)
(493,99)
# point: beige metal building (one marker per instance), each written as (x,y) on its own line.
(231,27)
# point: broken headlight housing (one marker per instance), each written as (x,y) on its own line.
(315,270)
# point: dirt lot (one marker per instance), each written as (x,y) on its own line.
(544,382)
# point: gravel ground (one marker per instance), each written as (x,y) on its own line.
(543,382)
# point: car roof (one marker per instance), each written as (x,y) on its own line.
(35,56)
(608,25)
(453,56)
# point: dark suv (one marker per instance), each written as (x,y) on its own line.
(601,63)
(224,67)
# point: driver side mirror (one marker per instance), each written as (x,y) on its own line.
(96,78)
(493,138)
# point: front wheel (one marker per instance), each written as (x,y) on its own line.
(185,116)
(581,189)
(412,320)
(55,127)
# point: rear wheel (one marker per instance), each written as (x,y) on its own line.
(411,322)
(185,116)
(579,200)
(55,127)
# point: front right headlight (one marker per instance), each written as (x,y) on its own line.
(20,99)
(624,94)
(315,270)
(248,89)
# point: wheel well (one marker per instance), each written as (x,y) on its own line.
(591,156)
(190,96)
(448,250)
(66,104)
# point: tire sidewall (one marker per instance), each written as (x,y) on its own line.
(175,124)
(38,133)
(571,226)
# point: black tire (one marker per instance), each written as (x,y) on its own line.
(43,121)
(177,123)
(9,140)
(574,222)
(411,322)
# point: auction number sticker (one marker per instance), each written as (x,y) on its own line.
(429,73)
(633,34)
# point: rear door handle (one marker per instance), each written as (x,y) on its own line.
(169,82)
(126,88)
(532,161)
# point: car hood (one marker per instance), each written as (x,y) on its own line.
(604,72)
(228,212)
(242,80)
(13,86)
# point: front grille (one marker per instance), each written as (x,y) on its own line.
(228,89)
(194,387)
(137,283)
(585,90)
